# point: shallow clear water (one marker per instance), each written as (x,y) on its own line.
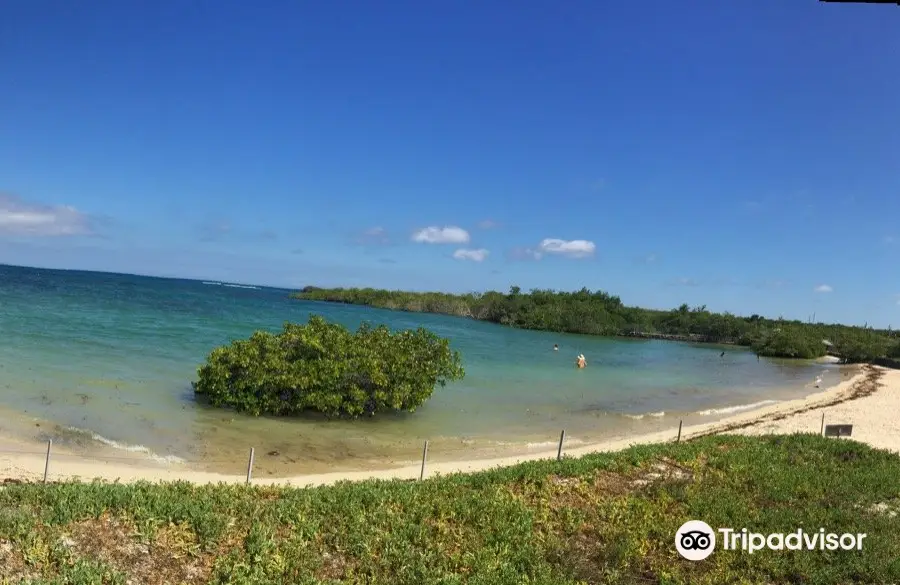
(107,359)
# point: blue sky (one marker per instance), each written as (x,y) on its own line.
(737,154)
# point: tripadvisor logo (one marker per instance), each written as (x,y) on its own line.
(696,540)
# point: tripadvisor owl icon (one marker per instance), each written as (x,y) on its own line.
(695,540)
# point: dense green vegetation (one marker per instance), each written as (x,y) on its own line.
(599,313)
(324,367)
(605,518)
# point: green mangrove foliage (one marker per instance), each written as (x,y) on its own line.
(324,367)
(894,351)
(600,313)
(789,341)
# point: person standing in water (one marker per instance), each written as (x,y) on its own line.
(580,362)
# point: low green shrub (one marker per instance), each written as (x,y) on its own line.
(322,366)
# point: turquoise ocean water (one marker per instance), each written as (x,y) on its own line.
(104,362)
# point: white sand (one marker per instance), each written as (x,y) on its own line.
(875,418)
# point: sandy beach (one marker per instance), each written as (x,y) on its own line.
(869,401)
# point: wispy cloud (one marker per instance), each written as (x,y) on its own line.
(221,230)
(387,261)
(554,247)
(523,254)
(441,235)
(890,240)
(568,248)
(374,236)
(22,218)
(683,281)
(488,224)
(725,281)
(214,231)
(752,205)
(479,255)
(297,251)
(770,284)
(648,259)
(823,288)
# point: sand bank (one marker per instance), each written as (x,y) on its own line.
(870,401)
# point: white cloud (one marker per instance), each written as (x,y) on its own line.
(20,218)
(487,224)
(570,248)
(823,288)
(441,235)
(478,255)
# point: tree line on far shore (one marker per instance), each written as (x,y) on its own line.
(600,313)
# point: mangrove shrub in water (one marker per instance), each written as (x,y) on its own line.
(325,367)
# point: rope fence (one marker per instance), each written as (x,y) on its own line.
(824,430)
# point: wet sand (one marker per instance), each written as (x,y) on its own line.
(870,400)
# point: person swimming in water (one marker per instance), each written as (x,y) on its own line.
(580,362)
(555,347)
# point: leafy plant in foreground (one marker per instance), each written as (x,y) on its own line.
(602,518)
(324,367)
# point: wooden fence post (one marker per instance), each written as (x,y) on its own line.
(250,465)
(681,422)
(47,460)
(424,457)
(562,438)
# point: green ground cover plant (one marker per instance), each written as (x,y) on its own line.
(605,518)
